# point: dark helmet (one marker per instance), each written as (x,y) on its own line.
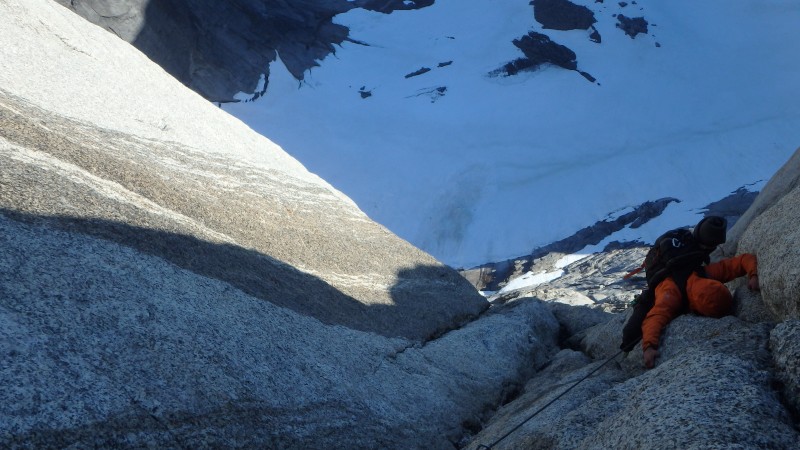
(711,231)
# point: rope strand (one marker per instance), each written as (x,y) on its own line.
(490,446)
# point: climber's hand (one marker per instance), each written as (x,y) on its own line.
(752,283)
(650,356)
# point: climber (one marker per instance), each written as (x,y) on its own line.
(705,292)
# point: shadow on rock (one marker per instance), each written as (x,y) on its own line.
(268,279)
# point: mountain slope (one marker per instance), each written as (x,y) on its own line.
(412,119)
(220,48)
(169,278)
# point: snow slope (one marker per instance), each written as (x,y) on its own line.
(475,168)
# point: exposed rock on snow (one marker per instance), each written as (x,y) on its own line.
(388,6)
(562,15)
(493,276)
(220,48)
(733,206)
(632,25)
(540,50)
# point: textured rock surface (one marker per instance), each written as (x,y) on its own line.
(574,319)
(785,346)
(200,189)
(711,389)
(171,279)
(784,181)
(104,346)
(749,305)
(773,237)
(718,383)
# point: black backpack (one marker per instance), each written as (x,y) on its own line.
(675,254)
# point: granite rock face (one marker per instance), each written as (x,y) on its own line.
(171,279)
(712,388)
(142,161)
(784,181)
(104,346)
(773,237)
(785,346)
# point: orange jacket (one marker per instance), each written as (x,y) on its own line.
(707,296)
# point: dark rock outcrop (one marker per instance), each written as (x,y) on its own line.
(492,276)
(539,49)
(632,26)
(733,206)
(562,15)
(418,72)
(388,6)
(221,48)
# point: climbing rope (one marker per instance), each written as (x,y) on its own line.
(490,446)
